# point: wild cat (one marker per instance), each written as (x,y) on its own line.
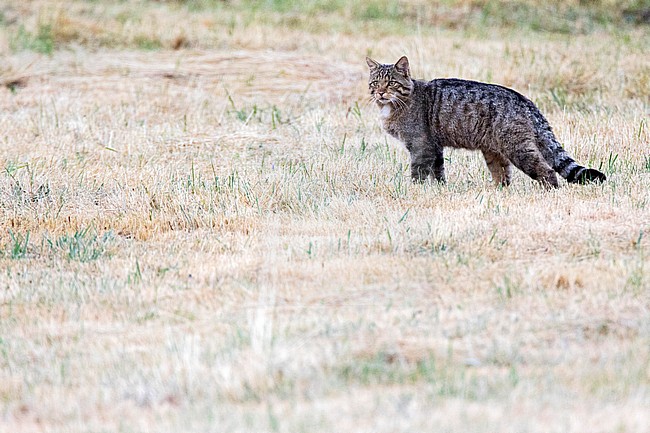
(503,124)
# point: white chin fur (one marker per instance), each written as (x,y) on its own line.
(385,111)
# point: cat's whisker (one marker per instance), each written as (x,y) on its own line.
(398,102)
(371,100)
(395,98)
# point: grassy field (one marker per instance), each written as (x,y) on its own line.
(204,229)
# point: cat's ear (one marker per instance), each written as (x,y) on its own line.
(371,63)
(402,66)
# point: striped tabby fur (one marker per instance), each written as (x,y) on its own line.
(504,125)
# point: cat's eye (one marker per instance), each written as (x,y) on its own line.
(373,84)
(392,83)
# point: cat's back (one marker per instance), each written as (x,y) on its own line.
(459,90)
(472,114)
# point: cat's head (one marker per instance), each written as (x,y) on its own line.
(390,83)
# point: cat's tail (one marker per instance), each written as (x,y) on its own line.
(573,172)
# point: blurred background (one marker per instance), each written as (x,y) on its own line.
(44,26)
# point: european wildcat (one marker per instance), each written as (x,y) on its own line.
(506,126)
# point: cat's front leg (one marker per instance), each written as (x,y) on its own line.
(439,164)
(426,160)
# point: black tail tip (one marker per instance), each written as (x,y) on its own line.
(589,175)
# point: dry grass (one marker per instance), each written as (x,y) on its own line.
(221,238)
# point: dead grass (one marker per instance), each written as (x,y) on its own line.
(220,237)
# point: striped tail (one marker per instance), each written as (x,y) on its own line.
(573,172)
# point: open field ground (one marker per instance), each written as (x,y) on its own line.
(204,229)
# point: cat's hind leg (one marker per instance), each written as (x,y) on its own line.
(499,166)
(528,159)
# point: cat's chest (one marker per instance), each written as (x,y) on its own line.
(385,112)
(396,124)
(391,125)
